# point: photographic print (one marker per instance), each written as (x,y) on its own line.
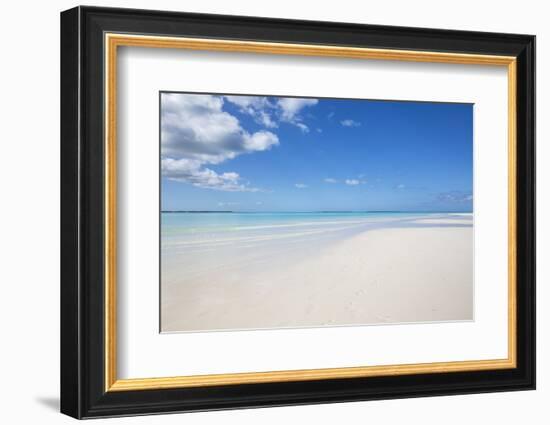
(314,216)
(288,212)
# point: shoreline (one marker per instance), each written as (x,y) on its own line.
(380,275)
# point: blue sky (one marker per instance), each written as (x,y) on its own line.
(264,153)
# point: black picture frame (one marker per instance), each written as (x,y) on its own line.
(83,392)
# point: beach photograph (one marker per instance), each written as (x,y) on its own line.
(282,212)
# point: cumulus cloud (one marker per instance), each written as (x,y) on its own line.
(265,119)
(290,108)
(258,107)
(330,180)
(196,131)
(300,185)
(193,172)
(196,127)
(250,103)
(268,112)
(260,141)
(352,182)
(350,123)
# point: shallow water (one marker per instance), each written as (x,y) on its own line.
(214,264)
(181,230)
(194,243)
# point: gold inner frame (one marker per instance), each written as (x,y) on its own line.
(113,41)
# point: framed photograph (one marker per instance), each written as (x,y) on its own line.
(261,212)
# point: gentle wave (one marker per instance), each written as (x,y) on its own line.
(182,232)
(258,238)
(269,227)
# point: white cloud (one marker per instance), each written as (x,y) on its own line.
(195,131)
(227,204)
(260,141)
(196,127)
(250,103)
(192,172)
(401,186)
(455,196)
(352,182)
(259,107)
(267,112)
(350,123)
(265,119)
(300,185)
(349,182)
(290,108)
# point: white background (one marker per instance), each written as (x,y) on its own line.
(29,174)
(143,352)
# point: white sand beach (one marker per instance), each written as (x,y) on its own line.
(419,272)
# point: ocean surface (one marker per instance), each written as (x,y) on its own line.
(222,261)
(204,232)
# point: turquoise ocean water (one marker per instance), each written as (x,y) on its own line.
(205,257)
(184,231)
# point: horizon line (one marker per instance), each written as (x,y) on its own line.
(312,211)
